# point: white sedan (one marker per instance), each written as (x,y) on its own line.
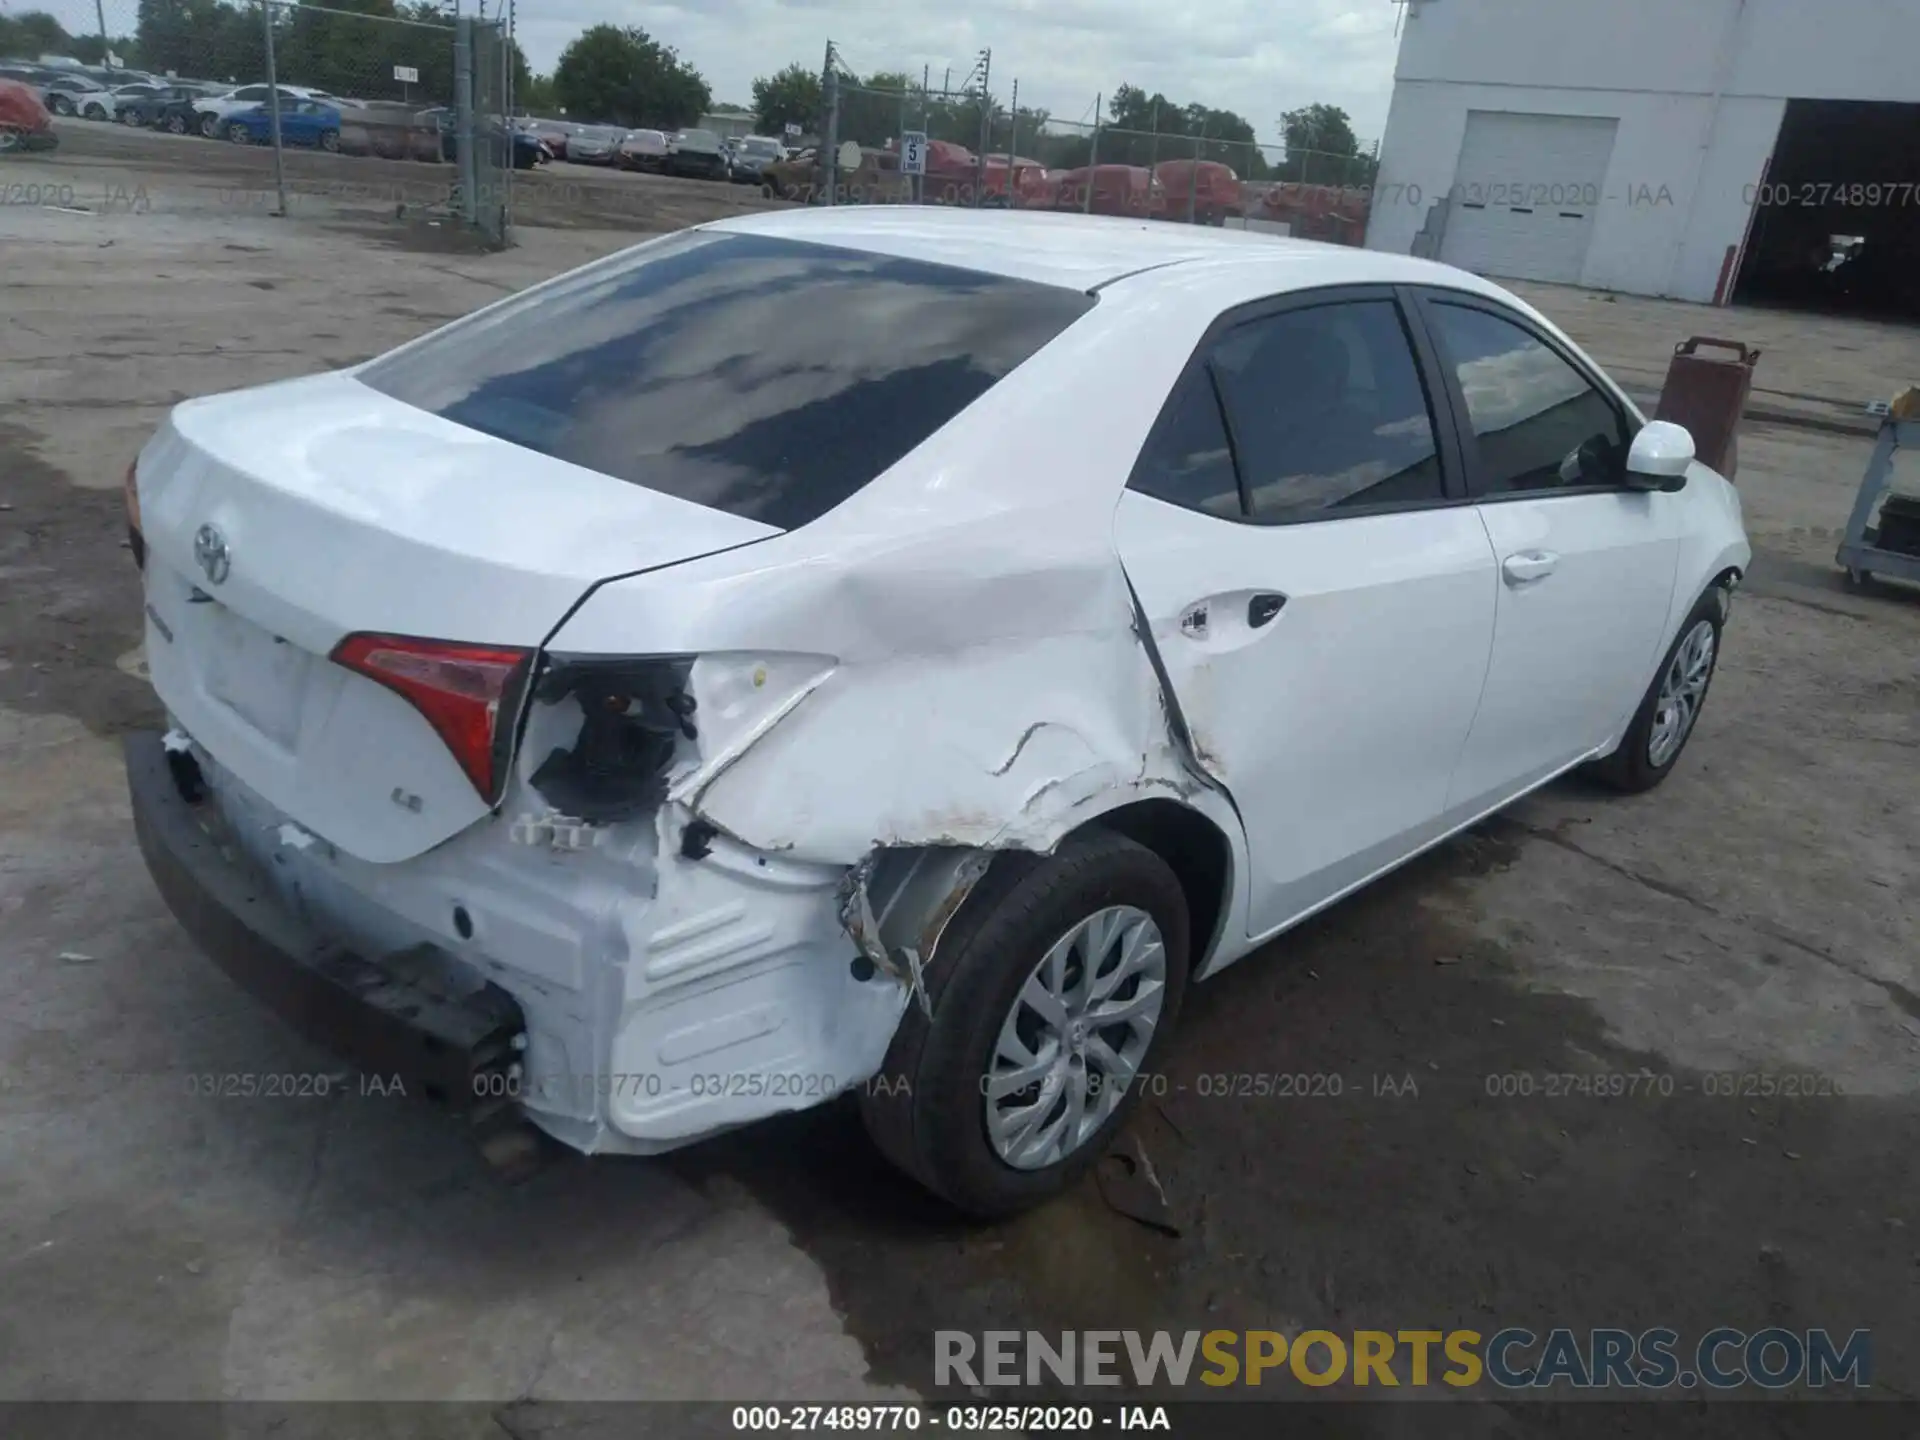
(888,651)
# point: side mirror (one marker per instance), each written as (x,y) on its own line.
(1661,453)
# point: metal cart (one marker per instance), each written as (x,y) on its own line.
(1864,552)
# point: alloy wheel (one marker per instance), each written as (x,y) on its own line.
(1075,1037)
(1682,690)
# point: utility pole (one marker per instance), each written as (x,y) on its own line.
(920,181)
(1013,136)
(273,108)
(106,50)
(830,139)
(463,127)
(1093,154)
(985,68)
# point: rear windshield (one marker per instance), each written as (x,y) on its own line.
(766,378)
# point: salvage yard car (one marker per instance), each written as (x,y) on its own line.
(695,153)
(734,674)
(25,123)
(213,113)
(302,122)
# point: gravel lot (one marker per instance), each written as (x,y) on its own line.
(1756,915)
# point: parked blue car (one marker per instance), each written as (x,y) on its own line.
(302,122)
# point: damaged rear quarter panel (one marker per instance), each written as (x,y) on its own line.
(987,686)
(951,661)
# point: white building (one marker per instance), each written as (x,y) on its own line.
(1684,148)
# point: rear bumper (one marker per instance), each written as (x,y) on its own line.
(409,1016)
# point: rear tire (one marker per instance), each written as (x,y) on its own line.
(210,126)
(239,135)
(330,141)
(176,125)
(60,105)
(1670,710)
(927,1110)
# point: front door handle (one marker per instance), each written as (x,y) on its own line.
(1529,566)
(1262,608)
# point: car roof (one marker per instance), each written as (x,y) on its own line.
(1085,252)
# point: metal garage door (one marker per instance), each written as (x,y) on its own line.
(1525,194)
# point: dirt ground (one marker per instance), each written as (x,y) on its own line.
(1754,916)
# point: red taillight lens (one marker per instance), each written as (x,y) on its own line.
(458,688)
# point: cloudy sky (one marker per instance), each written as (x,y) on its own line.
(1257,57)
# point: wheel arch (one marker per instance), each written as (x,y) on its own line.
(1198,851)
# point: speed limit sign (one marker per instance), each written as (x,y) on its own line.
(913,152)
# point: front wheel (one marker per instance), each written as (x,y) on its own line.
(210,126)
(94,112)
(1671,708)
(239,135)
(1053,991)
(129,117)
(330,140)
(60,105)
(176,125)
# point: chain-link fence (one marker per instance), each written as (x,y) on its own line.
(304,81)
(944,146)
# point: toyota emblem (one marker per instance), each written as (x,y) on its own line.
(210,552)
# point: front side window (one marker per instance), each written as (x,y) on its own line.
(1538,422)
(766,378)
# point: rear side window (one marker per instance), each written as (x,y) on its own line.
(1304,415)
(1328,412)
(1188,460)
(766,378)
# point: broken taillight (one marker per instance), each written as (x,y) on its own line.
(460,689)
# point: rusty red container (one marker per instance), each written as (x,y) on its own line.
(1708,395)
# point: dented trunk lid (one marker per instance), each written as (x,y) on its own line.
(280,520)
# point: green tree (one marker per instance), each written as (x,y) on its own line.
(200,40)
(1322,148)
(876,109)
(622,75)
(536,97)
(788,96)
(34,33)
(92,50)
(1145,129)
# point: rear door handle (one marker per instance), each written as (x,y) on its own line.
(1529,566)
(1262,608)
